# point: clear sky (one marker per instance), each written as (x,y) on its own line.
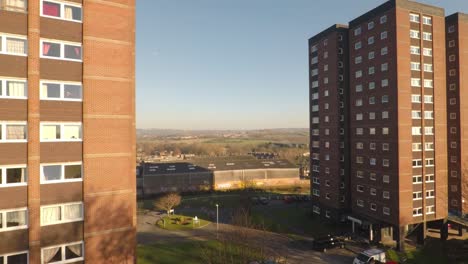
(233,64)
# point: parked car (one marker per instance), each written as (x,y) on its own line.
(326,242)
(264,200)
(370,256)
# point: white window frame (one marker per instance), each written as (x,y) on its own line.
(62,10)
(419,179)
(416,98)
(62,251)
(427,20)
(430,194)
(62,91)
(4,80)
(417,209)
(4,212)
(5,256)
(432,211)
(4,36)
(417,166)
(4,124)
(357,31)
(417,198)
(383,19)
(428,67)
(427,36)
(415,66)
(428,83)
(62,176)
(3,172)
(414,18)
(386,210)
(415,50)
(416,34)
(62,49)
(61,124)
(427,52)
(62,206)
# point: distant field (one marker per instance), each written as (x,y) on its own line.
(234,141)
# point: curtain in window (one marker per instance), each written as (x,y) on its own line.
(50,214)
(68,12)
(49,254)
(15,5)
(76,251)
(16,131)
(17,46)
(44,90)
(50,132)
(51,9)
(73,211)
(45,48)
(16,89)
(17,218)
(71,132)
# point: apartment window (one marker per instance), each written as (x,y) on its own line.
(15,258)
(453,130)
(453,188)
(315,84)
(385,115)
(370,40)
(372,176)
(357,31)
(385,146)
(316,209)
(358,74)
(416,131)
(359,145)
(371,55)
(61,91)
(358,60)
(383,19)
(357,45)
(314,60)
(359,131)
(372,161)
(358,117)
(428,115)
(13,44)
(327,196)
(453,101)
(56,49)
(340,50)
(427,52)
(430,209)
(315,96)
(430,178)
(325,42)
(325,54)
(371,85)
(315,180)
(340,65)
(373,207)
(384,98)
(326,106)
(316,192)
(384,83)
(373,191)
(384,67)
(427,36)
(13,219)
(386,163)
(428,99)
(452,43)
(386,211)
(386,179)
(370,25)
(416,114)
(65,253)
(451,29)
(417,146)
(359,160)
(358,102)
(430,162)
(61,213)
(61,132)
(414,34)
(415,66)
(13,175)
(325,80)
(417,195)
(371,70)
(372,131)
(11,131)
(415,50)
(327,183)
(415,98)
(360,203)
(428,67)
(417,211)
(428,83)
(325,67)
(417,163)
(58,173)
(416,82)
(452,72)
(414,18)
(384,51)
(327,119)
(60,10)
(427,20)
(385,130)
(13,89)
(453,144)
(315,108)
(360,174)
(454,202)
(372,147)
(429,130)
(313,48)
(359,88)
(315,120)
(314,72)
(383,35)
(371,115)
(372,100)
(417,179)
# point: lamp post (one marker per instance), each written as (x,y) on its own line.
(217,221)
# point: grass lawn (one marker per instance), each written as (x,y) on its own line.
(180,222)
(169,253)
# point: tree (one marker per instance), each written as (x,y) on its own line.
(167,201)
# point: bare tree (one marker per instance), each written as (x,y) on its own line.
(168,201)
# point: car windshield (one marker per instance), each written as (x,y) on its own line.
(362,257)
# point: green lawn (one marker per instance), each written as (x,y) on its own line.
(170,253)
(181,222)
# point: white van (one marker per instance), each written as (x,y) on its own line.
(370,256)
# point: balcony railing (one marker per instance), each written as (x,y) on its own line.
(14,5)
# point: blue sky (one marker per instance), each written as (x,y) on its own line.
(233,64)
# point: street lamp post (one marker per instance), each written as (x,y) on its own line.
(217,220)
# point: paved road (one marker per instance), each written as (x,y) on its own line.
(297,252)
